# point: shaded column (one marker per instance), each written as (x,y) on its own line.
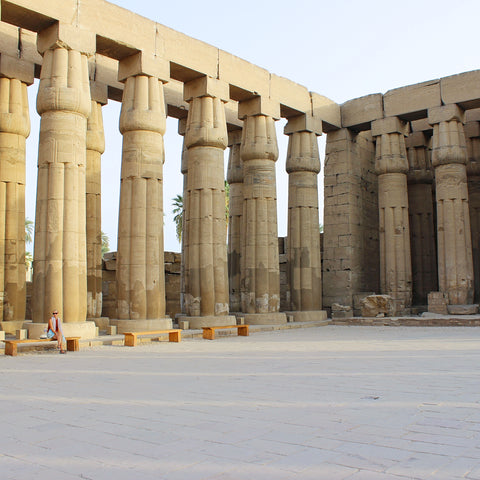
(60,263)
(260,271)
(182,126)
(303,246)
(14,129)
(472,136)
(206,275)
(421,216)
(391,166)
(140,259)
(95,148)
(235,180)
(454,241)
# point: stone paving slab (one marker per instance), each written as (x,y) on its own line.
(332,402)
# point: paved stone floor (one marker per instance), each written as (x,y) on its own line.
(330,403)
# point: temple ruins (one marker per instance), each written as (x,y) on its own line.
(401,175)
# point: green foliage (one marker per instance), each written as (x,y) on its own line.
(178,218)
(105,243)
(28,231)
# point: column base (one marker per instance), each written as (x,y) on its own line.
(471,309)
(101,322)
(9,327)
(210,321)
(309,316)
(77,329)
(142,325)
(270,318)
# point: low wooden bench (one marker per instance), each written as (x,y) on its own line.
(174,335)
(11,346)
(209,332)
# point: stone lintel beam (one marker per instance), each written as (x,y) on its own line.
(417,139)
(358,113)
(143,64)
(326,110)
(99,92)
(60,35)
(17,68)
(445,113)
(412,102)
(387,125)
(303,123)
(259,106)
(206,87)
(472,129)
(421,125)
(234,137)
(463,89)
(472,115)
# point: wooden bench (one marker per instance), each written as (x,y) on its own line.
(11,346)
(174,335)
(209,332)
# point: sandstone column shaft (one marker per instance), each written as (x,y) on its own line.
(235,180)
(395,260)
(449,156)
(14,129)
(421,215)
(304,262)
(60,263)
(95,148)
(140,265)
(260,262)
(206,277)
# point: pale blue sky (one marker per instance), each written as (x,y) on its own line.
(342,49)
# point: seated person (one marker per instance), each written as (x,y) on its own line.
(55,332)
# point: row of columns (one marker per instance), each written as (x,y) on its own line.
(395,168)
(67,256)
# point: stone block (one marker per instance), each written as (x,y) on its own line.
(462,309)
(374,305)
(259,106)
(11,67)
(328,111)
(178,258)
(445,113)
(169,257)
(110,265)
(421,125)
(389,125)
(240,320)
(290,94)
(472,115)
(357,298)
(183,324)
(143,64)
(172,267)
(359,112)
(463,89)
(60,34)
(437,303)
(303,123)
(206,87)
(2,335)
(21,334)
(412,99)
(111,330)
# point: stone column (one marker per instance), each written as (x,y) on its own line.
(14,129)
(260,271)
(472,134)
(421,215)
(140,259)
(60,263)
(95,148)
(303,246)
(182,127)
(454,241)
(391,166)
(206,275)
(235,180)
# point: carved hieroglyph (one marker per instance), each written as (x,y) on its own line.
(305,270)
(14,129)
(60,265)
(140,266)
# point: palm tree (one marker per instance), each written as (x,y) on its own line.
(105,243)
(28,231)
(178,218)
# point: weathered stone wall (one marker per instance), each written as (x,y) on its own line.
(351,242)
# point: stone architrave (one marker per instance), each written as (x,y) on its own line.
(14,129)
(235,180)
(206,274)
(60,263)
(454,241)
(95,148)
(303,250)
(421,214)
(472,137)
(260,270)
(391,165)
(140,259)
